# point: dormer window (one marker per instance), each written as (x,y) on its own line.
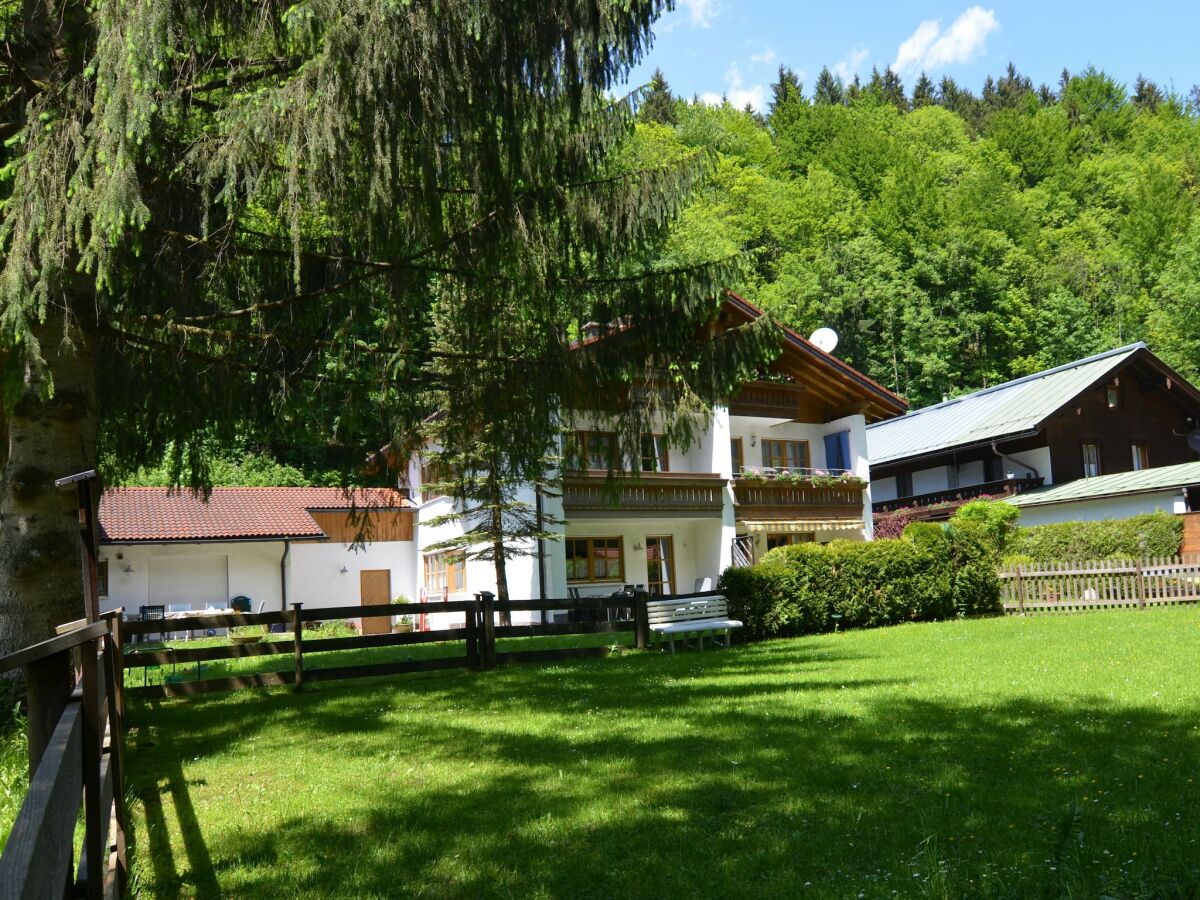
(1112,395)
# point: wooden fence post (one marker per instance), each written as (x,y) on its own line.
(488,631)
(116,648)
(113,667)
(298,645)
(641,619)
(471,620)
(1141,586)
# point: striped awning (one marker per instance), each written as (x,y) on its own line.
(801,525)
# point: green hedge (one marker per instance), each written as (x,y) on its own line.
(932,573)
(1151,534)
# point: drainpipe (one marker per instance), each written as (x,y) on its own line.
(283,575)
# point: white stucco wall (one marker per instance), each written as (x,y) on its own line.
(931,480)
(313,571)
(1024,464)
(1171,501)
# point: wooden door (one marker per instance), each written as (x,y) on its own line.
(375,588)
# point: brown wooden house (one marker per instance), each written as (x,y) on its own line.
(1119,411)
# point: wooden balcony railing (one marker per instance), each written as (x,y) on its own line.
(765,398)
(1003,488)
(753,497)
(653,493)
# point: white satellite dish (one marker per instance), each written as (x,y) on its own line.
(825,338)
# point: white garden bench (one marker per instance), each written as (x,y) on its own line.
(691,616)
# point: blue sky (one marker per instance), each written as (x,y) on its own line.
(710,47)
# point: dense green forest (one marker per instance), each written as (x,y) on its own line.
(953,240)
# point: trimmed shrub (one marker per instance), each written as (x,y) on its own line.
(1150,534)
(934,572)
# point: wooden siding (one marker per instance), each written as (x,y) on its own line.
(385,525)
(1190,547)
(1145,416)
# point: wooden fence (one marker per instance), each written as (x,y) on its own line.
(75,708)
(1099,584)
(479,633)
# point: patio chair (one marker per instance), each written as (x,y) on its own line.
(153,613)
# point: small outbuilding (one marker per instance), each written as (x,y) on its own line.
(273,545)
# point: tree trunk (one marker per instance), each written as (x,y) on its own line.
(45,438)
(501,566)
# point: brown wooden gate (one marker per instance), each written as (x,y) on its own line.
(375,588)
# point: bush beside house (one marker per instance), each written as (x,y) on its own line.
(1138,537)
(933,572)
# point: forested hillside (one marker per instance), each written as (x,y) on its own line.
(953,240)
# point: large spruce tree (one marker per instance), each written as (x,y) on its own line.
(226,218)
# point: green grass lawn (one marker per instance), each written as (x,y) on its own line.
(1045,757)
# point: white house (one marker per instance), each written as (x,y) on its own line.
(275,546)
(784,461)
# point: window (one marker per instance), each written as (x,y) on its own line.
(786,540)
(654,453)
(1141,457)
(445,573)
(432,472)
(992,469)
(593,450)
(102,577)
(1091,460)
(1112,396)
(735,448)
(660,565)
(785,454)
(595,559)
(904,484)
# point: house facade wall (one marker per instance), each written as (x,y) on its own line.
(1144,416)
(313,571)
(703,544)
(1122,507)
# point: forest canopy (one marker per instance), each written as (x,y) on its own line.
(954,240)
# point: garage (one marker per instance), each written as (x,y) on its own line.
(193,580)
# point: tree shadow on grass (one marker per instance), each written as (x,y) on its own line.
(678,787)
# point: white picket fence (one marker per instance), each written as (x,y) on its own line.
(1099,584)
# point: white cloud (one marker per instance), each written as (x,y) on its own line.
(700,14)
(847,67)
(931,48)
(767,56)
(736,92)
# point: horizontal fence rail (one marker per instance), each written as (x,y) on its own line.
(481,627)
(75,704)
(1099,584)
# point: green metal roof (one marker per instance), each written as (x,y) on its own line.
(1146,481)
(1004,411)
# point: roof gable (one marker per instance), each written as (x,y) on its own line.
(131,515)
(840,384)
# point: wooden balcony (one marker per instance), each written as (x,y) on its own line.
(951,499)
(780,499)
(663,493)
(771,400)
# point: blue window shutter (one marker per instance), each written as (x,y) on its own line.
(837,450)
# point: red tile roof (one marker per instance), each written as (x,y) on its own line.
(245,513)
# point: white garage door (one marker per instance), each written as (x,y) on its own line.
(196,580)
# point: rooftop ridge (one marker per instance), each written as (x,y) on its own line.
(1024,379)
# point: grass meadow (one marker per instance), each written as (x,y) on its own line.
(1047,757)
